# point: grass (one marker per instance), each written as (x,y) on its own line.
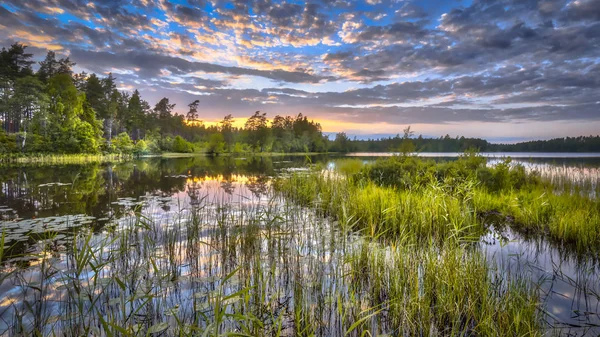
(61,159)
(269,266)
(407,216)
(390,248)
(412,199)
(450,292)
(567,219)
(257,154)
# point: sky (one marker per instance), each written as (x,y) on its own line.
(503,70)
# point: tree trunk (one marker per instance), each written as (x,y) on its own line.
(109,126)
(24,137)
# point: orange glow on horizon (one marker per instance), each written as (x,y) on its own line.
(234,178)
(327,125)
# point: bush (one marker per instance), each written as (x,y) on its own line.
(182,146)
(36,144)
(216,143)
(408,172)
(153,146)
(241,148)
(123,144)
(141,148)
(8,143)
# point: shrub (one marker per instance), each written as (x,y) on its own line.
(123,144)
(216,143)
(8,143)
(181,145)
(140,148)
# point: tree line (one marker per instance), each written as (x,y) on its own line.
(54,110)
(400,143)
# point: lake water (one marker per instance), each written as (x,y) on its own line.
(225,193)
(520,155)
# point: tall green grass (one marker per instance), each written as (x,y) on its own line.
(437,212)
(412,199)
(449,292)
(271,267)
(61,159)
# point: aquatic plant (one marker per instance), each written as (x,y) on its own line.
(264,266)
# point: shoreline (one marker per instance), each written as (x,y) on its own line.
(51,159)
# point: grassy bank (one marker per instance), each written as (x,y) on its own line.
(413,199)
(58,159)
(237,154)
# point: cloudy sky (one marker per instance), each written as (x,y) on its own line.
(497,69)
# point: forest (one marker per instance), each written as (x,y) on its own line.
(54,110)
(343,143)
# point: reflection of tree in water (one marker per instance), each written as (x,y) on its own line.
(49,191)
(258,185)
(94,188)
(227,184)
(193,191)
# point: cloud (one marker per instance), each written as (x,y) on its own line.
(485,61)
(150,65)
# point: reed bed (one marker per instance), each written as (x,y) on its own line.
(407,198)
(432,214)
(228,265)
(61,159)
(569,179)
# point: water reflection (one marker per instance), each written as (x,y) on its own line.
(567,284)
(192,237)
(33,192)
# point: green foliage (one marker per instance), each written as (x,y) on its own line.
(181,145)
(241,148)
(8,143)
(123,143)
(72,126)
(37,144)
(216,143)
(412,199)
(141,148)
(349,167)
(433,213)
(153,141)
(407,172)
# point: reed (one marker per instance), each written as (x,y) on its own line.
(415,200)
(61,159)
(439,212)
(268,266)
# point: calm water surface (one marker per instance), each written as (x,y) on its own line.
(70,198)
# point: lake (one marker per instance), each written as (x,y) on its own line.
(209,217)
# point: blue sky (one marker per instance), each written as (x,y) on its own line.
(497,69)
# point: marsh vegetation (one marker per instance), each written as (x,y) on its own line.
(294,246)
